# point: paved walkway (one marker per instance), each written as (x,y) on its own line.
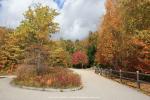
(95,88)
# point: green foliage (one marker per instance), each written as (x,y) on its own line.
(144,36)
(91,55)
(92,46)
(10,53)
(68,45)
(38,26)
(34,32)
(59,56)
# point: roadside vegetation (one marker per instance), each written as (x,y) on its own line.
(53,77)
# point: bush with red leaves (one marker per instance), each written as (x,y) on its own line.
(79,58)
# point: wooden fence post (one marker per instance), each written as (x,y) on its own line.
(96,70)
(110,73)
(100,71)
(138,80)
(105,72)
(120,75)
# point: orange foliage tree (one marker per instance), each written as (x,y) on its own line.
(124,36)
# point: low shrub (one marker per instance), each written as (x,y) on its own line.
(25,72)
(55,77)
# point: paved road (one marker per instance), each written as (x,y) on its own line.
(95,88)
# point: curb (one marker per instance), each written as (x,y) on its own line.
(7,76)
(42,89)
(48,89)
(2,77)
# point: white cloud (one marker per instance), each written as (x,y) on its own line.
(12,11)
(76,18)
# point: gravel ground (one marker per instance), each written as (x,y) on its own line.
(95,88)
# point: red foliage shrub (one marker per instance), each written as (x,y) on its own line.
(63,79)
(1,66)
(79,57)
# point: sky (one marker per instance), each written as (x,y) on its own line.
(77,17)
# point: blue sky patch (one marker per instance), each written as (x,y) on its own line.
(60,3)
(1,4)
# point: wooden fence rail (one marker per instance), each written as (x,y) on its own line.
(132,76)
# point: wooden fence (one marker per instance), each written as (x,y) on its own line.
(131,76)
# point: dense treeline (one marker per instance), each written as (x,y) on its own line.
(31,43)
(122,41)
(36,59)
(124,36)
